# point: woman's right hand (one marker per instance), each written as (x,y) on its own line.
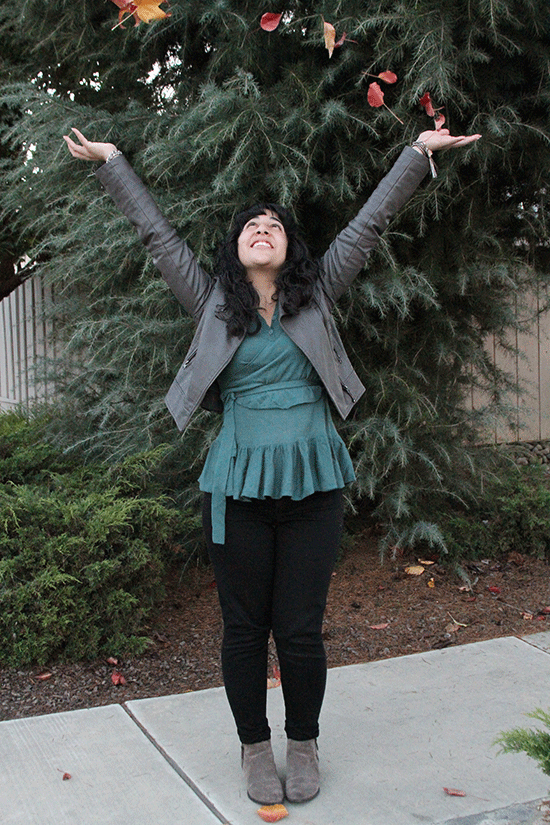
(88,150)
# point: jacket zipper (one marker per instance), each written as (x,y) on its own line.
(188,360)
(346,390)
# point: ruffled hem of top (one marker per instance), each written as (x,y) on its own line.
(297,469)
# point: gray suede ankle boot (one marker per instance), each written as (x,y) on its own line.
(262,782)
(302,770)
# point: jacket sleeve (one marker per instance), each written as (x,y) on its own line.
(348,253)
(188,281)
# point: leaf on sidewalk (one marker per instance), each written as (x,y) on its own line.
(272,813)
(454,792)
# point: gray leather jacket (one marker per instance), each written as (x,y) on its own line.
(313,329)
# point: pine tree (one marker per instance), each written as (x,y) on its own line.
(216,113)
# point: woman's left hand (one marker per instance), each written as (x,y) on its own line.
(442,139)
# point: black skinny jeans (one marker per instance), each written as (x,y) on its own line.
(273,574)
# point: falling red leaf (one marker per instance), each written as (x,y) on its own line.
(454,792)
(66,776)
(330,37)
(439,118)
(269,21)
(493,589)
(341,41)
(375,98)
(388,77)
(375,95)
(117,678)
(44,676)
(426,102)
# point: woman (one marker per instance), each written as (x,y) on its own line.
(267,354)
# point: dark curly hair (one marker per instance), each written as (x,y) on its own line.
(296,278)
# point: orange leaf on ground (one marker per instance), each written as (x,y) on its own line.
(375,95)
(117,678)
(44,676)
(269,21)
(330,37)
(275,680)
(378,626)
(112,660)
(388,77)
(66,776)
(272,813)
(414,570)
(454,792)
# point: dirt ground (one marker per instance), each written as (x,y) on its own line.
(375,611)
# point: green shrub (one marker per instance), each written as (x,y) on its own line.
(512,514)
(83,550)
(535,743)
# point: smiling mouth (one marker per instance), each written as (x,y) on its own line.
(261,243)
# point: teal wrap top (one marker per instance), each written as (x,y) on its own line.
(277,437)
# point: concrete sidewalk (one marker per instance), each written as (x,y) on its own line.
(395,733)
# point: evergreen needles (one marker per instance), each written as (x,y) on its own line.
(216,113)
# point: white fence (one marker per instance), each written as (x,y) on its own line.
(25,337)
(531,372)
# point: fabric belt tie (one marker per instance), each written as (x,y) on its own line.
(228,452)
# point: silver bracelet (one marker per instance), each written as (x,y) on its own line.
(114,154)
(427,152)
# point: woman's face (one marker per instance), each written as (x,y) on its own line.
(262,244)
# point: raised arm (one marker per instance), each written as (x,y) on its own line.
(188,281)
(348,253)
